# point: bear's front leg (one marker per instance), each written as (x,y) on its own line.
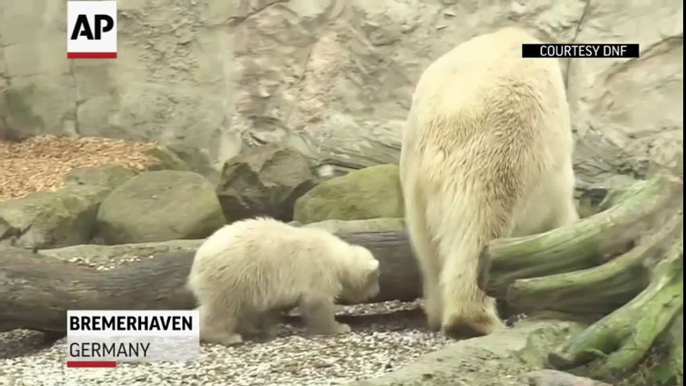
(218,327)
(318,315)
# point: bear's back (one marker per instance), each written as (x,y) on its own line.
(480,82)
(265,244)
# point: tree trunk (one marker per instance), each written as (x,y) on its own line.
(612,284)
(36,291)
(623,338)
(584,244)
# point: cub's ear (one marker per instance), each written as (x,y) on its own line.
(373,265)
(373,272)
(372,279)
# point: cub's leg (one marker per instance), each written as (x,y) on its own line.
(218,324)
(267,324)
(318,315)
(249,325)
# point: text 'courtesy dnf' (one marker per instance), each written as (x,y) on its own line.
(580,50)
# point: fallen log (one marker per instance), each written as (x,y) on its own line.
(623,338)
(636,296)
(584,244)
(36,291)
(612,284)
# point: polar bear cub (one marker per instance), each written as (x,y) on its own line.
(486,153)
(246,273)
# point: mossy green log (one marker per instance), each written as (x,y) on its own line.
(622,339)
(584,244)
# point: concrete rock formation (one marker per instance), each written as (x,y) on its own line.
(330,78)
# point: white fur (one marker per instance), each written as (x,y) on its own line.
(247,272)
(487,153)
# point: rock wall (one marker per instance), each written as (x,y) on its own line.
(332,78)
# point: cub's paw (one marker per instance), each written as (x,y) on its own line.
(223,339)
(231,340)
(333,329)
(342,328)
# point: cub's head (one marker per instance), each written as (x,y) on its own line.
(362,276)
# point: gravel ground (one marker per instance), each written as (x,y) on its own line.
(396,338)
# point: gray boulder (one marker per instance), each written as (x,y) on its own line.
(355,226)
(166,159)
(372,192)
(159,206)
(266,181)
(52,219)
(549,377)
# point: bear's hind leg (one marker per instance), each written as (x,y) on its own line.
(427,259)
(217,325)
(468,311)
(551,206)
(564,214)
(318,315)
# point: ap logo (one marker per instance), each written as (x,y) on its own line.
(91,29)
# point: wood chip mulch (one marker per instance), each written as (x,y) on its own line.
(41,163)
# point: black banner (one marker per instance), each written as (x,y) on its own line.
(580,50)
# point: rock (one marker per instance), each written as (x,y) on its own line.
(167,160)
(332,79)
(492,360)
(53,219)
(372,192)
(559,378)
(264,181)
(354,226)
(159,206)
(110,176)
(11,135)
(8,234)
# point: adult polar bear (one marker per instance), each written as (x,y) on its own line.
(487,153)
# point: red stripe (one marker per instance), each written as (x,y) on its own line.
(91,55)
(99,364)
